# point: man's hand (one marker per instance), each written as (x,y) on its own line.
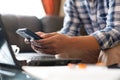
(27,41)
(84,47)
(52,43)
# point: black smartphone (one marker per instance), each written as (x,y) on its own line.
(27,33)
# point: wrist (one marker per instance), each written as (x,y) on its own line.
(85,42)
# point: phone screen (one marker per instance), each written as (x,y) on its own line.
(26,33)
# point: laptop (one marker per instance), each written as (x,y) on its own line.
(7,55)
(10,68)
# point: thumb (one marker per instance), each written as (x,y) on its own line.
(48,35)
(40,33)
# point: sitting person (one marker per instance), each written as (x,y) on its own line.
(101,20)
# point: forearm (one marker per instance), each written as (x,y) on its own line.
(85,43)
(84,47)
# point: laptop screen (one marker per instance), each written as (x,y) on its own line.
(5,53)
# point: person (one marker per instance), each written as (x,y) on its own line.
(101,20)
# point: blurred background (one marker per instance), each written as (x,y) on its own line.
(37,15)
(38,8)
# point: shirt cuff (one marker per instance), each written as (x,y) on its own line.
(101,37)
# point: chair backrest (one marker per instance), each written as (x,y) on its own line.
(52,23)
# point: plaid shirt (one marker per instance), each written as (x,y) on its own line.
(101,19)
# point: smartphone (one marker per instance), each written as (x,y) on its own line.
(27,33)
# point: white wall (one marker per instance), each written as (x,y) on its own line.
(61,8)
(22,7)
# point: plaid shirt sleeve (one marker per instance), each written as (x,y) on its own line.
(72,21)
(110,36)
(107,37)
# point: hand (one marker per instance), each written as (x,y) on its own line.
(27,41)
(55,43)
(36,46)
(69,47)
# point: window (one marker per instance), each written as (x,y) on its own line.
(22,7)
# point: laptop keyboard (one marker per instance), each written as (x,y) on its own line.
(32,56)
(41,57)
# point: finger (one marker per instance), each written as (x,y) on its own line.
(37,44)
(51,37)
(27,41)
(40,34)
(48,35)
(34,48)
(47,51)
(42,46)
(44,50)
(44,41)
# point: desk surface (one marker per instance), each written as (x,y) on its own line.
(91,72)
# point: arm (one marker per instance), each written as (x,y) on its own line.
(60,43)
(84,47)
(110,36)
